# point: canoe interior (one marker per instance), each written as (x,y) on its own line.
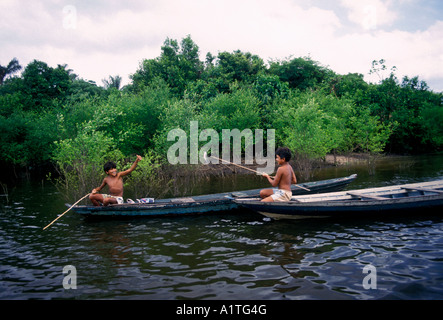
(381,193)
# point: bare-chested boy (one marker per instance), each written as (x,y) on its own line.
(115,183)
(283,179)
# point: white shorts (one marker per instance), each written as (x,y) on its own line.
(281,195)
(119,199)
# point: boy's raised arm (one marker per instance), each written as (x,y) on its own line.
(134,165)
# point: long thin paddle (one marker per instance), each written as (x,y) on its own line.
(206,158)
(66,211)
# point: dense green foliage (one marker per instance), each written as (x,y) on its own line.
(50,115)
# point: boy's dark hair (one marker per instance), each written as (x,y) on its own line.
(284,153)
(109,165)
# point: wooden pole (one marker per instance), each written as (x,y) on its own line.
(66,211)
(205,155)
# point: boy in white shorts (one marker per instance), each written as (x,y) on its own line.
(114,180)
(283,179)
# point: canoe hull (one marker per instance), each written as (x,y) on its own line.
(344,209)
(157,209)
(385,200)
(201,204)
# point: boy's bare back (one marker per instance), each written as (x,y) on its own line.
(285,177)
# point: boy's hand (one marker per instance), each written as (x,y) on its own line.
(265,175)
(139,158)
(94,191)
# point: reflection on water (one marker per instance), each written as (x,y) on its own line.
(223,256)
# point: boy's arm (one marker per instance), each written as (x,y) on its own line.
(294,178)
(134,165)
(99,188)
(274,182)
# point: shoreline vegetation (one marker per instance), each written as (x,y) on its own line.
(181,180)
(54,122)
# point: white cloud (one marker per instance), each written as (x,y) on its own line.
(271,29)
(414,54)
(370,14)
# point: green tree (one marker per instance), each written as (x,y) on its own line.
(177,114)
(412,120)
(300,73)
(239,109)
(351,85)
(112,82)
(268,87)
(379,67)
(81,89)
(12,67)
(177,66)
(190,63)
(370,135)
(26,138)
(239,66)
(43,84)
(432,121)
(144,110)
(311,124)
(401,104)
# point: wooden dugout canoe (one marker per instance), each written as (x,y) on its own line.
(203,203)
(398,198)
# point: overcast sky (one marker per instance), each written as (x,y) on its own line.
(100,38)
